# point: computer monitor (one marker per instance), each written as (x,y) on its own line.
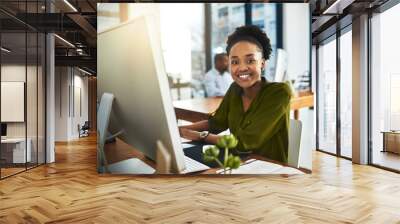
(130,66)
(3,130)
(281,66)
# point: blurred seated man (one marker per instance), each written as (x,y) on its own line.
(218,79)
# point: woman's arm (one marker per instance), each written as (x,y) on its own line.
(198,126)
(216,123)
(195,136)
(192,132)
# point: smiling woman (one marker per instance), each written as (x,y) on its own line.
(254,110)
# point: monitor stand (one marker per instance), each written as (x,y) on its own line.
(112,138)
(130,166)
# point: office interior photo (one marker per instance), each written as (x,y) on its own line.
(56,128)
(183,68)
(39,108)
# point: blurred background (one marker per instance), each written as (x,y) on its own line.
(192,34)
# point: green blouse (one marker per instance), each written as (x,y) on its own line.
(264,127)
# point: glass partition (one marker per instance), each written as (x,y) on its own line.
(13,105)
(22,91)
(327,96)
(385,89)
(346,94)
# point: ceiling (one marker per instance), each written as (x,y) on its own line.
(330,15)
(73,21)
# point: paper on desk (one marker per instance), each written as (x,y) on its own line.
(263,167)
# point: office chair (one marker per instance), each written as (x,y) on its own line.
(294,142)
(84,129)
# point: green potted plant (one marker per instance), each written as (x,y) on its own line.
(230,162)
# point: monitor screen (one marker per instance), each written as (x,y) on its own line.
(3,129)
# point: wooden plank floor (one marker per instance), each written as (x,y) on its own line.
(70,191)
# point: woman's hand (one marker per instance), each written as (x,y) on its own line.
(189,134)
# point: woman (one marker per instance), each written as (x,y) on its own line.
(255,111)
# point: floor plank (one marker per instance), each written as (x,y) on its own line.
(71,191)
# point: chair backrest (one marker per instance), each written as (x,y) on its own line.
(294,142)
(85,126)
(103,118)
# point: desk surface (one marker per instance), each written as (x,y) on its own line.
(198,109)
(119,151)
(13,140)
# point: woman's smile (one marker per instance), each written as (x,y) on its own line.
(243,77)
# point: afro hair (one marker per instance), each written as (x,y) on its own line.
(253,32)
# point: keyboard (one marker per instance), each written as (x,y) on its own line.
(193,166)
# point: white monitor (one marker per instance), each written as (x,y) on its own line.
(130,66)
(281,66)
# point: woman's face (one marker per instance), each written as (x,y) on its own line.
(246,62)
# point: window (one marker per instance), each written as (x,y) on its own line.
(185,62)
(385,85)
(265,17)
(327,96)
(346,94)
(225,17)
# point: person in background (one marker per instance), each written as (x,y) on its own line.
(218,79)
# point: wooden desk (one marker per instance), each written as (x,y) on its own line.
(14,152)
(257,157)
(199,109)
(119,151)
(391,141)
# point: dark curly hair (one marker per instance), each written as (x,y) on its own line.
(252,34)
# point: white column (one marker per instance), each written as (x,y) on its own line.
(50,99)
(360,90)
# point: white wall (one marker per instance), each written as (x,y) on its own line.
(33,126)
(68,83)
(61,103)
(14,73)
(314,69)
(297,44)
(79,117)
(17,73)
(296,37)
